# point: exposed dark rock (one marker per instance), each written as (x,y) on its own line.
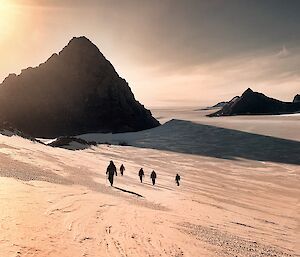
(66,142)
(296,99)
(216,106)
(76,91)
(8,130)
(219,105)
(254,103)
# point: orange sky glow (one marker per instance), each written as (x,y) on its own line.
(167,59)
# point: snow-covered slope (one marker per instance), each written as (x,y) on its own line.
(57,202)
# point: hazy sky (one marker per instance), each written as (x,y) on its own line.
(172,52)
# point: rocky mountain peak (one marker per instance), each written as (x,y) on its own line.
(74,92)
(296,99)
(255,103)
(249,91)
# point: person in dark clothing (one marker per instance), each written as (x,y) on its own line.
(111,171)
(177,179)
(141,174)
(153,177)
(122,169)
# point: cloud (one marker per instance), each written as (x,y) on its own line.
(283,53)
(194,51)
(206,84)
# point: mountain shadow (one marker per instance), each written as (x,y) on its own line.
(206,140)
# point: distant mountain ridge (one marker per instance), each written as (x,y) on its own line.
(76,91)
(296,99)
(218,105)
(254,103)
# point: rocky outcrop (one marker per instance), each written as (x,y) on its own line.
(8,130)
(219,105)
(254,103)
(74,92)
(71,143)
(296,99)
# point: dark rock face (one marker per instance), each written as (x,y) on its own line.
(8,130)
(216,106)
(76,91)
(296,99)
(219,105)
(66,141)
(254,103)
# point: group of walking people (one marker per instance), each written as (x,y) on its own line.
(112,170)
(152,176)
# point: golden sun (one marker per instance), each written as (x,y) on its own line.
(6,17)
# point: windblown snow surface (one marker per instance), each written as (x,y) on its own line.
(239,193)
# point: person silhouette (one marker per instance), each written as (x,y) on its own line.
(122,169)
(141,174)
(153,177)
(111,171)
(177,179)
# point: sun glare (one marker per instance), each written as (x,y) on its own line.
(6,17)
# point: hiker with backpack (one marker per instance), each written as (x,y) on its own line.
(141,174)
(177,179)
(111,171)
(153,177)
(122,169)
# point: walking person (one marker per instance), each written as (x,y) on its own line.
(141,174)
(177,179)
(122,169)
(153,177)
(111,171)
